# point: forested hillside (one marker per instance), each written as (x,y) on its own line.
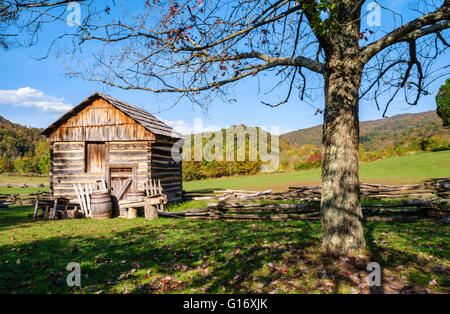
(241,163)
(398,135)
(405,129)
(378,134)
(22,149)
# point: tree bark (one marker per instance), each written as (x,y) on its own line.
(341,212)
(340,205)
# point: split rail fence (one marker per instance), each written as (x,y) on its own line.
(412,210)
(20,199)
(406,203)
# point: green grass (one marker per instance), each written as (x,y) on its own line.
(397,170)
(31,180)
(27,190)
(5,179)
(178,207)
(183,256)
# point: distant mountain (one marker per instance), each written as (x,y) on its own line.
(377,134)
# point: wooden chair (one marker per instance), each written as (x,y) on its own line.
(153,187)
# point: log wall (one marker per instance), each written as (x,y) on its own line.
(67,166)
(164,168)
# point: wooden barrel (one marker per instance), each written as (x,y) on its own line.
(138,195)
(101,205)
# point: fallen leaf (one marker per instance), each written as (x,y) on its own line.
(433,282)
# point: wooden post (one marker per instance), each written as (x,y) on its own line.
(88,198)
(83,201)
(36,208)
(47,206)
(160,191)
(147,192)
(150,182)
(65,210)
(150,211)
(132,212)
(55,206)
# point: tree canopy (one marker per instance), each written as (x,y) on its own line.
(443,103)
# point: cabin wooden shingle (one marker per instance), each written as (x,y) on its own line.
(105,138)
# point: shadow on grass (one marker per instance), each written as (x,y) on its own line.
(16,216)
(166,256)
(205,256)
(375,255)
(410,255)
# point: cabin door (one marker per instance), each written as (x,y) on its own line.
(95,157)
(121,181)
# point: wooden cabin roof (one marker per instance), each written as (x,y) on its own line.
(142,117)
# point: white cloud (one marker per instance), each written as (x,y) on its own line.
(30,97)
(186,128)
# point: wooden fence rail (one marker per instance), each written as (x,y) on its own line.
(23,185)
(405,211)
(431,188)
(21,199)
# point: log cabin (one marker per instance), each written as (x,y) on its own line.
(106,138)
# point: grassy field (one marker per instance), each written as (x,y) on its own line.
(31,180)
(5,179)
(183,256)
(397,170)
(27,190)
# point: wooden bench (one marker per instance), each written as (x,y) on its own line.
(149,203)
(49,206)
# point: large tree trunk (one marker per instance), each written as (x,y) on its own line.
(340,206)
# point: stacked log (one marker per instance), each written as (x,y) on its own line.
(401,212)
(374,191)
(20,199)
(240,194)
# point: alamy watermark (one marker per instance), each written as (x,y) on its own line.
(374,14)
(374,276)
(74,16)
(74,277)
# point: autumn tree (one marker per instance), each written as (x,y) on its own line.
(198,49)
(443,103)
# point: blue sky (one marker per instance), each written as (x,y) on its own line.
(36,92)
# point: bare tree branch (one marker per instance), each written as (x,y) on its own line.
(411,30)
